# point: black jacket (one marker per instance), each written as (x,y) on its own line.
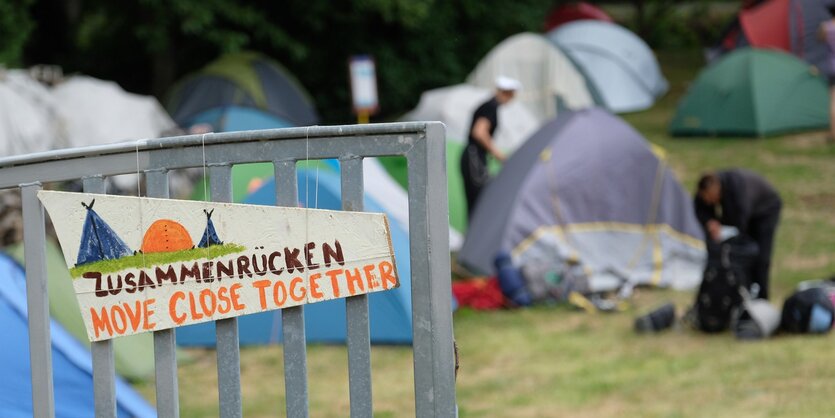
(746,197)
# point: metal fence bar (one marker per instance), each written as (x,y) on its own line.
(228,348)
(431,297)
(292,319)
(37,300)
(356,307)
(104,366)
(165,341)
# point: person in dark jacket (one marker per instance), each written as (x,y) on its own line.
(745,200)
(480,141)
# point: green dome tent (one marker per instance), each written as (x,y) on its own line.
(753,92)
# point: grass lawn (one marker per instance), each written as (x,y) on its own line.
(551,362)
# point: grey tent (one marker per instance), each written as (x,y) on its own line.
(587,188)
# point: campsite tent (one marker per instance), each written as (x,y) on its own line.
(618,63)
(71,363)
(753,92)
(238,118)
(587,188)
(28,121)
(570,12)
(454,106)
(99,112)
(390,312)
(245,79)
(788,25)
(548,76)
(133,355)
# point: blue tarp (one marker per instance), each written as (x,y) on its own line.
(325,322)
(71,362)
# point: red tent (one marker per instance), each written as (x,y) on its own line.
(767,26)
(787,25)
(574,11)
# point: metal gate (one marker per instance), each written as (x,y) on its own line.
(422,144)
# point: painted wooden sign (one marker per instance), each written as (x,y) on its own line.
(141,264)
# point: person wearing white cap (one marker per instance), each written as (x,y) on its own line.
(480,142)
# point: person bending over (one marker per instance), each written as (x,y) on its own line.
(745,200)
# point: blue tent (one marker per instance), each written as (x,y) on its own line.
(98,240)
(71,362)
(210,234)
(237,118)
(390,311)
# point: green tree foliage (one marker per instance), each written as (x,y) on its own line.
(147,45)
(15,27)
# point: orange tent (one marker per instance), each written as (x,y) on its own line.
(166,235)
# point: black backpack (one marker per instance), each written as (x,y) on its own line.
(798,308)
(728,269)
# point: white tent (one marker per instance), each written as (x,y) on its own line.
(621,66)
(379,184)
(454,106)
(100,112)
(28,120)
(546,73)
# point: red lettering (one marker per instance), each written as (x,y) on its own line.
(313,284)
(334,276)
(354,281)
(262,297)
(224,305)
(101,323)
(192,305)
(208,294)
(388,276)
(119,326)
(147,311)
(370,277)
(172,307)
(279,293)
(236,297)
(294,284)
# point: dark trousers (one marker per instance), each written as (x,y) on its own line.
(762,230)
(475,175)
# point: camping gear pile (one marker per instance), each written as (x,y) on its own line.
(767,76)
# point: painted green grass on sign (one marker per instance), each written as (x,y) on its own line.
(152,259)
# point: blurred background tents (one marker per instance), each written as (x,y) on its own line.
(753,92)
(548,76)
(569,12)
(619,64)
(245,80)
(586,190)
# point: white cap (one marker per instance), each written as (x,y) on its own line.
(507,84)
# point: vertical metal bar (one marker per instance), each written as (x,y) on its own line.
(37,300)
(165,344)
(228,348)
(292,319)
(431,295)
(104,366)
(356,307)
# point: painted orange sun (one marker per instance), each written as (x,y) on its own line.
(166,235)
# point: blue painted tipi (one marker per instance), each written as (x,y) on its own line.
(98,240)
(210,234)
